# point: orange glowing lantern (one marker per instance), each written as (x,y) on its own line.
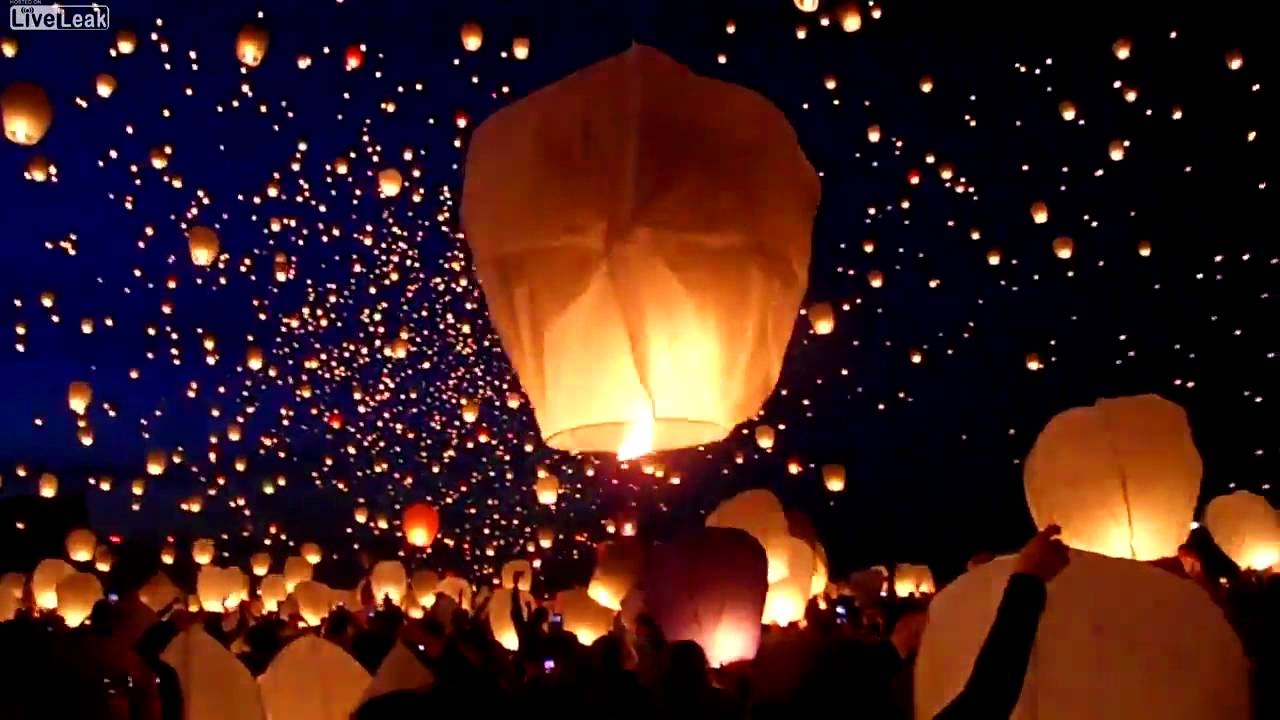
(421,524)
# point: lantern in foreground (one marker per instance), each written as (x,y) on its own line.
(509,571)
(619,565)
(785,601)
(313,601)
(911,580)
(251,45)
(1121,477)
(421,523)
(203,244)
(77,593)
(296,570)
(45,579)
(81,544)
(760,513)
(388,581)
(504,630)
(582,616)
(1246,527)
(676,248)
(26,113)
(1170,655)
(311,678)
(709,586)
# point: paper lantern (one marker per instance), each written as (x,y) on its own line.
(388,581)
(421,524)
(77,593)
(822,317)
(202,551)
(787,596)
(168,554)
(79,395)
(873,133)
(1067,110)
(313,601)
(424,583)
(251,45)
(504,630)
(1118,640)
(1116,149)
(158,592)
(296,570)
(1121,477)
(12,585)
(709,586)
(45,579)
(670,216)
(765,436)
(389,182)
(9,47)
(156,462)
(1235,59)
(215,684)
(520,48)
(758,512)
(472,36)
(361,514)
(218,588)
(1245,526)
(547,488)
(583,616)
(619,566)
(312,679)
(1063,247)
(1122,48)
(875,279)
(911,580)
(80,545)
(203,244)
(26,112)
(807,5)
(1144,248)
(1039,212)
(260,564)
(103,559)
(546,538)
(850,17)
(456,589)
(105,85)
(39,168)
(47,487)
(126,42)
(833,477)
(509,571)
(273,590)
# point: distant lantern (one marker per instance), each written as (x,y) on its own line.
(873,133)
(1067,110)
(85,436)
(9,47)
(202,551)
(875,278)
(470,411)
(354,57)
(822,317)
(105,84)
(40,168)
(1121,477)
(138,487)
(168,554)
(340,166)
(280,266)
(1247,529)
(472,36)
(159,158)
(1235,60)
(514,400)
(421,524)
(794,466)
(1039,212)
(79,395)
(520,48)
(807,5)
(829,82)
(1122,48)
(102,559)
(666,336)
(993,256)
(26,112)
(1144,248)
(126,42)
(156,462)
(203,244)
(1033,362)
(389,182)
(80,545)
(911,580)
(1116,149)
(361,514)
(48,485)
(547,488)
(926,84)
(546,538)
(251,45)
(916,356)
(833,476)
(1063,247)
(253,359)
(850,17)
(311,552)
(765,436)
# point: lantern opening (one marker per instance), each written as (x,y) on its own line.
(631,440)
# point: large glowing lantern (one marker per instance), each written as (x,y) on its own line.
(296,570)
(77,593)
(215,684)
(1118,639)
(1245,526)
(388,580)
(670,216)
(759,512)
(203,244)
(583,616)
(509,570)
(1121,477)
(79,395)
(313,601)
(26,113)
(785,601)
(312,679)
(389,182)
(421,523)
(273,591)
(81,544)
(911,580)
(619,565)
(45,579)
(158,592)
(48,485)
(709,587)
(504,630)
(202,551)
(219,589)
(251,45)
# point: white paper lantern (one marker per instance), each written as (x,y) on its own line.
(1245,526)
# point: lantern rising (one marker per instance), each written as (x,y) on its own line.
(676,249)
(251,45)
(26,112)
(421,523)
(1246,527)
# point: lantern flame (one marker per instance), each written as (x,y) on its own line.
(638,439)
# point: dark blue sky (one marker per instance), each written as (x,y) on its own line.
(933,474)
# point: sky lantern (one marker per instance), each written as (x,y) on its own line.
(1157,645)
(807,6)
(822,317)
(470,411)
(993,256)
(168,554)
(1063,247)
(253,358)
(79,395)
(105,85)
(619,566)
(1116,148)
(850,17)
(765,436)
(9,47)
(202,551)
(361,514)
(280,266)
(547,488)
(421,524)
(833,477)
(1067,110)
(875,279)
(251,45)
(388,580)
(546,537)
(273,591)
(81,544)
(760,513)
(787,597)
(472,36)
(156,462)
(873,133)
(126,42)
(1247,529)
(669,367)
(39,168)
(587,619)
(1122,48)
(203,244)
(26,112)
(926,84)
(102,559)
(1039,212)
(159,158)
(1033,362)
(260,564)
(911,580)
(1121,477)
(1235,60)
(48,485)
(45,579)
(313,601)
(311,552)
(389,182)
(520,48)
(1144,248)
(77,593)
(354,57)
(138,487)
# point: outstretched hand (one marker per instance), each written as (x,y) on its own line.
(1044,556)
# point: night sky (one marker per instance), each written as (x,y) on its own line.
(940,205)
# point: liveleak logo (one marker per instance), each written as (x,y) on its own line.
(25,15)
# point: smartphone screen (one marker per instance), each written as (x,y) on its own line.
(557,618)
(548,665)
